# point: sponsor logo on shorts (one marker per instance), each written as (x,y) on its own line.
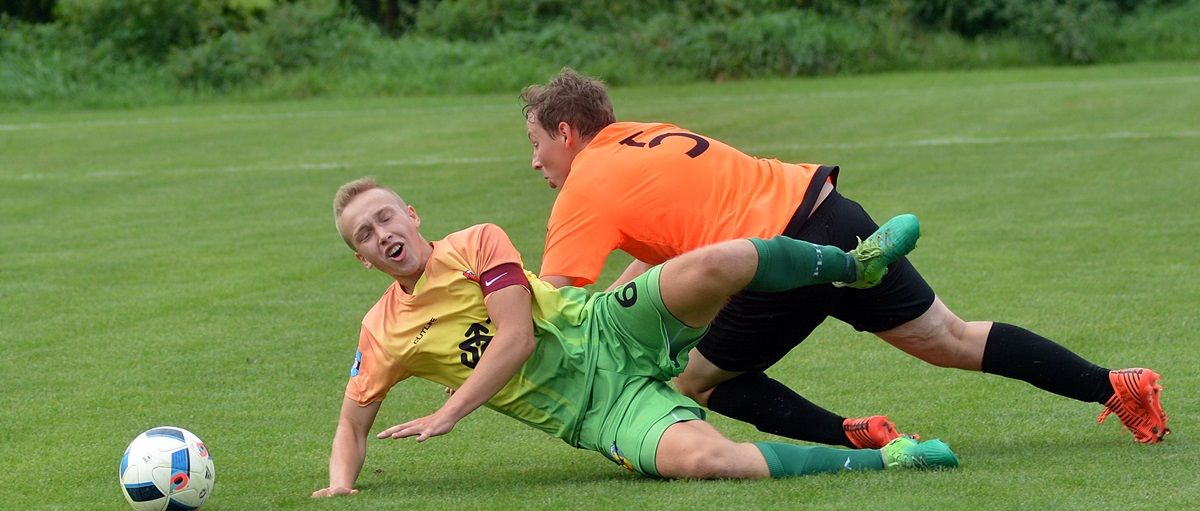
(619,458)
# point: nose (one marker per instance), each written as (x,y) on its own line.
(537,164)
(382,235)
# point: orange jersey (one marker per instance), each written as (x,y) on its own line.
(440,330)
(657,191)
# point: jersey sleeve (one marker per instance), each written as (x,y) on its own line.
(488,246)
(579,237)
(374,371)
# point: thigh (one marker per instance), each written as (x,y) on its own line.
(755,330)
(637,328)
(632,428)
(902,296)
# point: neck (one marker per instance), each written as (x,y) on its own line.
(409,282)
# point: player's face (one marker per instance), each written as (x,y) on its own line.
(384,233)
(551,155)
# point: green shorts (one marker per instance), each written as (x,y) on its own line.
(641,347)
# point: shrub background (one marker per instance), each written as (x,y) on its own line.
(138,52)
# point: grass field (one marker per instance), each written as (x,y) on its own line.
(180,266)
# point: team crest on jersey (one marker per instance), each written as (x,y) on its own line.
(619,458)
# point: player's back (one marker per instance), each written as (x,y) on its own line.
(656,191)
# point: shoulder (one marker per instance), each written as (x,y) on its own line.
(475,236)
(375,317)
(618,131)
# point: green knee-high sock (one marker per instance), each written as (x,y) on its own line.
(787,460)
(785,263)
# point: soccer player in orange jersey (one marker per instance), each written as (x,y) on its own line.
(590,369)
(656,190)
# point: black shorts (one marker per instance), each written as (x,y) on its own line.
(755,330)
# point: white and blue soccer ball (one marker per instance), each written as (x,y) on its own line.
(166,468)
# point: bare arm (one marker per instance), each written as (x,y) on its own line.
(557,280)
(631,272)
(510,311)
(349,447)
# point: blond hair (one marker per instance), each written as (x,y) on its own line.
(570,97)
(348,192)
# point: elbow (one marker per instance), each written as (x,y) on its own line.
(526,344)
(520,344)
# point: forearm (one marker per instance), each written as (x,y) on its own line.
(350,443)
(346,460)
(505,355)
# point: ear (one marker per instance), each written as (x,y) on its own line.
(412,213)
(362,260)
(568,134)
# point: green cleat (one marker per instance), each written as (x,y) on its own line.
(893,240)
(905,452)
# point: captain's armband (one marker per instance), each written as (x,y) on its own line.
(502,276)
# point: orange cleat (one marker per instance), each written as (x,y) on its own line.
(1136,401)
(872,432)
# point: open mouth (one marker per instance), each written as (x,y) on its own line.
(395,251)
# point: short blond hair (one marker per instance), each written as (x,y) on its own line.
(348,192)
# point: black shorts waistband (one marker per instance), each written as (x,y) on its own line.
(805,209)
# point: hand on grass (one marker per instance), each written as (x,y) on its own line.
(424,428)
(333,492)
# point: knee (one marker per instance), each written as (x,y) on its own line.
(720,268)
(943,343)
(724,264)
(707,461)
(693,388)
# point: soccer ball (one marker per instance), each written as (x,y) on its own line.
(166,468)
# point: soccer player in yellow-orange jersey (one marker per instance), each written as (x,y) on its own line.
(590,369)
(656,190)
(440,328)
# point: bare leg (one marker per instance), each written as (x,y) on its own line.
(942,339)
(696,450)
(939,337)
(696,285)
(700,377)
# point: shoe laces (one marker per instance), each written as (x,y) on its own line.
(870,247)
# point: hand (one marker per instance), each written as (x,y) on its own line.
(333,492)
(424,428)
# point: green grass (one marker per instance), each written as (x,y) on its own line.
(180,266)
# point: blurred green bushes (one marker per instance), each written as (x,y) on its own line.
(117,52)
